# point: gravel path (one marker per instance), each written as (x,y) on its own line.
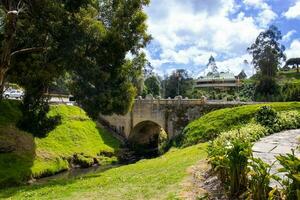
(279,143)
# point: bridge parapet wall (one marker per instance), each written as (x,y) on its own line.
(170,114)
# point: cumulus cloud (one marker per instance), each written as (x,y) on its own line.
(287,37)
(189,32)
(266,14)
(186,33)
(293,12)
(294,49)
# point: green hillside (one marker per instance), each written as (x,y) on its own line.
(35,157)
(288,76)
(212,124)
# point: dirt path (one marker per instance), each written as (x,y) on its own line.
(202,184)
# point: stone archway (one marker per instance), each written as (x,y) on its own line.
(145,138)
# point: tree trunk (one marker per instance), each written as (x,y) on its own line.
(2,75)
(9,38)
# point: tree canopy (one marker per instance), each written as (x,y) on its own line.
(153,85)
(267,52)
(267,55)
(293,62)
(178,83)
(42,40)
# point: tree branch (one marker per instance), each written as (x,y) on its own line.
(28,50)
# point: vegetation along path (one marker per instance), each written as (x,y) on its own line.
(279,143)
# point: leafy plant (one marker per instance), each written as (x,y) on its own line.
(230,162)
(259,179)
(291,166)
(238,156)
(266,116)
(163,142)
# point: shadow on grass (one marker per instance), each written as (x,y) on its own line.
(108,138)
(17,154)
(10,192)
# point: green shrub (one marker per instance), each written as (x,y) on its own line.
(266,116)
(290,92)
(230,98)
(163,142)
(267,89)
(238,154)
(8,112)
(259,179)
(291,166)
(217,149)
(230,162)
(230,151)
(289,120)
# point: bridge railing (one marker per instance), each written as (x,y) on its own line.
(169,101)
(181,101)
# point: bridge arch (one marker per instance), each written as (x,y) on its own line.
(145,137)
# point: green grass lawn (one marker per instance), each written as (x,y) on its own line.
(41,156)
(212,124)
(289,76)
(158,178)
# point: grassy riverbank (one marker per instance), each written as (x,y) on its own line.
(212,124)
(29,156)
(158,178)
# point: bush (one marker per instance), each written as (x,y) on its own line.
(35,120)
(266,116)
(290,92)
(228,153)
(247,92)
(289,120)
(230,98)
(230,162)
(163,142)
(267,89)
(291,166)
(259,179)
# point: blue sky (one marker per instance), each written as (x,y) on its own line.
(187,32)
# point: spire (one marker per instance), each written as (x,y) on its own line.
(212,65)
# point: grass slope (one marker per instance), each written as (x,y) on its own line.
(289,76)
(41,156)
(212,124)
(157,178)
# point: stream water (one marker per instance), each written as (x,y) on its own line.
(74,173)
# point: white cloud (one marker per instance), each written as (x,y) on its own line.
(294,49)
(287,37)
(255,3)
(186,33)
(293,12)
(266,14)
(236,65)
(189,32)
(266,17)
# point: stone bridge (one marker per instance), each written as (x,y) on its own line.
(149,117)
